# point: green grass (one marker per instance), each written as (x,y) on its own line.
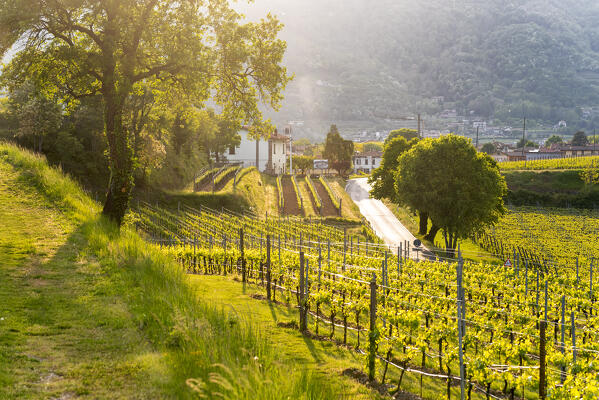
(252,193)
(325,357)
(93,312)
(471,251)
(349,209)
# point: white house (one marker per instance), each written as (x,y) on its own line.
(278,150)
(248,151)
(367,161)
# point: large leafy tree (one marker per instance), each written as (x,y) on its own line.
(382,178)
(463,197)
(190,49)
(580,139)
(338,151)
(553,139)
(406,133)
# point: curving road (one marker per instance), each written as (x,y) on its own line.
(385,224)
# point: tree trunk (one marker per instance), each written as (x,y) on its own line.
(120,160)
(430,236)
(423,223)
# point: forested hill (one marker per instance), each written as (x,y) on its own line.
(361,59)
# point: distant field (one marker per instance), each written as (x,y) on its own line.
(560,163)
(556,234)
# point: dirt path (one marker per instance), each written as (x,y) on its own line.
(291,206)
(328,209)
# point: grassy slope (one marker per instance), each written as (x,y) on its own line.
(88,311)
(253,192)
(64,330)
(349,209)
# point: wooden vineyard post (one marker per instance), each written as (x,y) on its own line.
(303,325)
(319,266)
(573,340)
(460,304)
(542,360)
(398,261)
(268,277)
(373,332)
(563,374)
(241,249)
(591,288)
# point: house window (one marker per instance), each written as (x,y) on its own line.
(365,161)
(274,148)
(232,150)
(357,161)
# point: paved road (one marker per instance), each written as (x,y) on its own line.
(382,220)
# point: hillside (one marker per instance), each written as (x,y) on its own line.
(357,60)
(87,311)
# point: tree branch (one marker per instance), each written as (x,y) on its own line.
(168,67)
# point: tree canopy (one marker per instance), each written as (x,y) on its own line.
(489,148)
(462,198)
(580,139)
(406,133)
(382,178)
(526,143)
(338,151)
(553,139)
(303,163)
(192,50)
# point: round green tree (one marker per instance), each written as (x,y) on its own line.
(459,188)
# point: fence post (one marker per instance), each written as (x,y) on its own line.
(573,340)
(460,305)
(373,331)
(268,278)
(563,375)
(242,255)
(319,265)
(542,360)
(303,323)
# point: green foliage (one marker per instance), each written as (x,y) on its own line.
(463,197)
(372,146)
(314,193)
(489,148)
(382,178)
(296,190)
(119,49)
(303,163)
(406,133)
(526,143)
(280,192)
(553,139)
(338,151)
(558,163)
(590,175)
(580,139)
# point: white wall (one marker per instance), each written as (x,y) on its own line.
(279,157)
(246,152)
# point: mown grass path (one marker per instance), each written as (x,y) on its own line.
(64,332)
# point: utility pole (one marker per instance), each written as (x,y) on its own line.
(524,140)
(419,129)
(477,137)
